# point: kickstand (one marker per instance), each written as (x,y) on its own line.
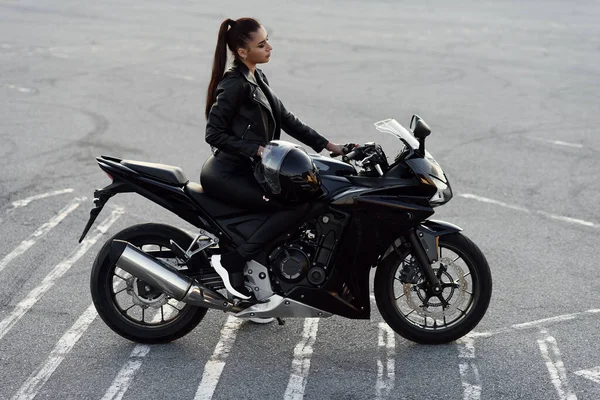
(280,321)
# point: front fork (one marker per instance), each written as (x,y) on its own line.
(424,242)
(419,243)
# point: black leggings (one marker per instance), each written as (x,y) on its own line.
(235,184)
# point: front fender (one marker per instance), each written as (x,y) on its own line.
(430,231)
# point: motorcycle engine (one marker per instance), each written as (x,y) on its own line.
(291,262)
(303,261)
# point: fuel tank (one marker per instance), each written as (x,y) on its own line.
(331,166)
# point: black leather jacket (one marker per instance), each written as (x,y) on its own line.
(236,128)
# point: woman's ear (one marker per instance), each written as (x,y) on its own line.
(242,53)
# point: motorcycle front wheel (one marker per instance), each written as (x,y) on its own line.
(412,310)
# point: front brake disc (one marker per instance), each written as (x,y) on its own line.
(433,308)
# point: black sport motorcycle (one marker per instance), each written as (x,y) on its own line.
(154,283)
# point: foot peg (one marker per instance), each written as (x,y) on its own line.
(216,263)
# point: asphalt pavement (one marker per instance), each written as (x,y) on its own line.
(509,88)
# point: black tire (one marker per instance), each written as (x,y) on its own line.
(105,300)
(386,277)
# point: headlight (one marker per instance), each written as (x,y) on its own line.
(443,194)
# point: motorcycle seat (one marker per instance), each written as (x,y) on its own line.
(165,173)
(212,206)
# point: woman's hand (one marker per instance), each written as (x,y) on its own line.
(339,150)
(335,149)
(260,150)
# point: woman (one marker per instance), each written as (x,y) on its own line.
(243,115)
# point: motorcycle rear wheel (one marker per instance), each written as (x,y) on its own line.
(132,308)
(408,306)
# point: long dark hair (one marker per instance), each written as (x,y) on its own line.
(232,34)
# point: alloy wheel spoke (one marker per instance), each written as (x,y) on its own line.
(444,302)
(454,285)
(178,309)
(441,270)
(396,298)
(453,261)
(129,308)
(426,300)
(116,293)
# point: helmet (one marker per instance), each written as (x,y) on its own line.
(287,172)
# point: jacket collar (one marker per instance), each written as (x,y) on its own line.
(243,70)
(258,94)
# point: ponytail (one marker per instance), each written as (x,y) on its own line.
(219,63)
(232,34)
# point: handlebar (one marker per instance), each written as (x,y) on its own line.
(346,149)
(350,156)
(368,155)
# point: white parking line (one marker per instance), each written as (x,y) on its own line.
(39,377)
(558,318)
(559,142)
(386,362)
(556,368)
(41,231)
(21,89)
(301,362)
(121,383)
(491,201)
(216,363)
(469,373)
(562,218)
(569,219)
(591,374)
(534,324)
(59,270)
(25,201)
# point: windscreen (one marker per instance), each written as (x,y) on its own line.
(394,128)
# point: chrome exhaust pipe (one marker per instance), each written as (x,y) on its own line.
(164,278)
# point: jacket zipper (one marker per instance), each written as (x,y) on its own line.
(269,112)
(246,131)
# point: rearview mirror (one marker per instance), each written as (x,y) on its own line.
(419,127)
(421,130)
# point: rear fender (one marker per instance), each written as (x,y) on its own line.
(173,198)
(117,173)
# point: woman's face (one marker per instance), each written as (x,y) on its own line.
(258,49)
